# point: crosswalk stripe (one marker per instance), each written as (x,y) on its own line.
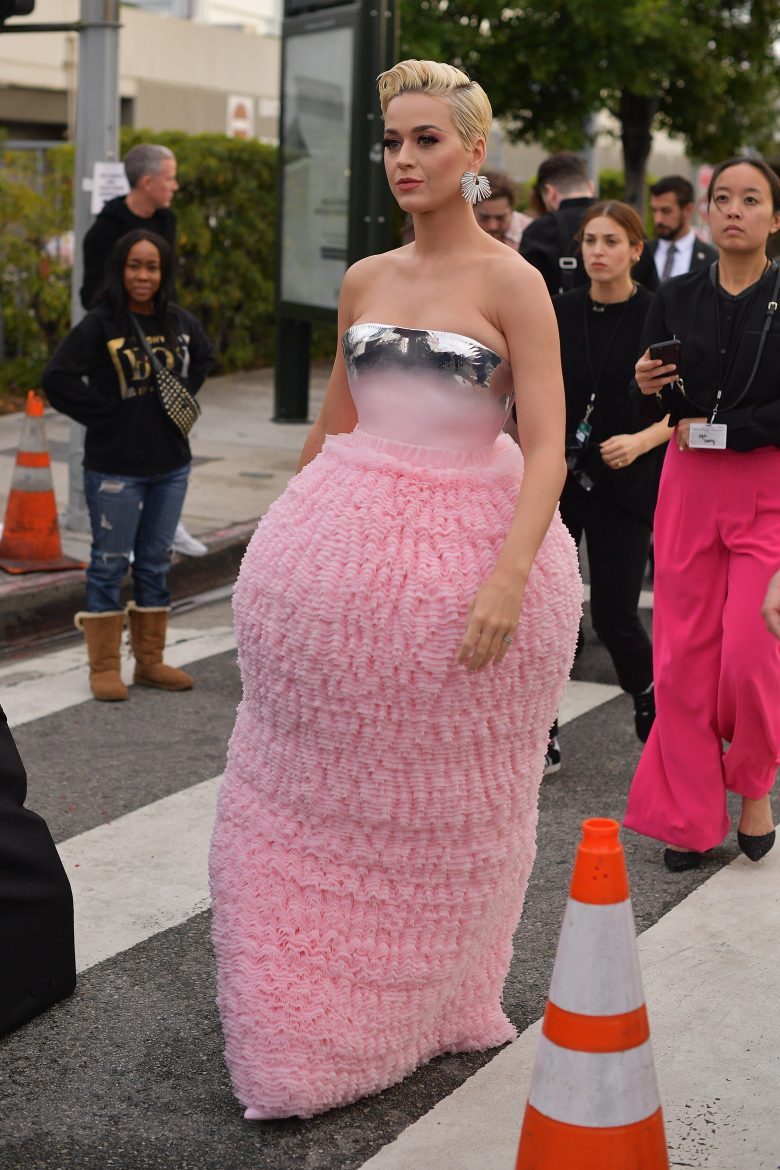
(53,682)
(141,874)
(48,683)
(581,697)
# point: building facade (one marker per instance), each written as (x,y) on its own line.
(174,74)
(262,16)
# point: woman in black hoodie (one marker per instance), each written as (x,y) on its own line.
(136,461)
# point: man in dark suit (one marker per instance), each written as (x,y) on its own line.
(676,249)
(565,190)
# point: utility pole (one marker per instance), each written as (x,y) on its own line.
(97,140)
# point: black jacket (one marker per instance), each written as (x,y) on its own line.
(684,307)
(128,433)
(114,221)
(634,488)
(646,273)
(550,237)
(37,960)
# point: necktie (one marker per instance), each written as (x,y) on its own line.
(671,252)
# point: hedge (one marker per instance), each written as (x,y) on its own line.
(226,214)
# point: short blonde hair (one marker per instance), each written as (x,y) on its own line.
(471,110)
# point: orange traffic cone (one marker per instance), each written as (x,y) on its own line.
(594,1101)
(31,532)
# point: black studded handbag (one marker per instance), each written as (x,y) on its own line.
(179,405)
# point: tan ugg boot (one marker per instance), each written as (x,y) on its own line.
(148,627)
(103,635)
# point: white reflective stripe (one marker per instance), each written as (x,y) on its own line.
(596,968)
(33,437)
(31,479)
(594,1089)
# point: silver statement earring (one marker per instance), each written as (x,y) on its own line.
(474,187)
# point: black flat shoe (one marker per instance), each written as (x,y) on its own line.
(756,847)
(677,861)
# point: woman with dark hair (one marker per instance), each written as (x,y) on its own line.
(717,534)
(136,460)
(613,462)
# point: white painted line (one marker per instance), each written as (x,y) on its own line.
(141,874)
(581,697)
(710,974)
(47,683)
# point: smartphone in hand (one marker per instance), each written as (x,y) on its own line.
(669,352)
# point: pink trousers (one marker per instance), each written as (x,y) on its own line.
(716,667)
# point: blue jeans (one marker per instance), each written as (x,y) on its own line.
(134,514)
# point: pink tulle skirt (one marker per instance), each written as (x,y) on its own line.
(376,825)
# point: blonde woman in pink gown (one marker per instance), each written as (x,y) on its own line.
(406,615)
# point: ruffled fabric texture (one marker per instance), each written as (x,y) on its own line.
(376,824)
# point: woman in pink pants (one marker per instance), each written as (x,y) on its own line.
(717,534)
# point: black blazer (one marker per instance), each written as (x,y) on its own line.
(644,271)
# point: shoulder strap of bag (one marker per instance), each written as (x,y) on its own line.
(146,347)
(771,309)
(568,265)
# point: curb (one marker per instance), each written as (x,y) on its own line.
(40,605)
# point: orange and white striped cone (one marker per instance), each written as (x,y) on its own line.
(31,533)
(594,1102)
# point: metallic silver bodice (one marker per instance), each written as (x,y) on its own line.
(426,387)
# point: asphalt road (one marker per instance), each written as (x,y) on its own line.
(128,1073)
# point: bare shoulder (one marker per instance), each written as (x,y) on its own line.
(370,267)
(513,275)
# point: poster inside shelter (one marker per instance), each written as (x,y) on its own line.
(316,162)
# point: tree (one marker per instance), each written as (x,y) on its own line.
(701,69)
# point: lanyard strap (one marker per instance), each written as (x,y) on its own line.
(596,378)
(771,309)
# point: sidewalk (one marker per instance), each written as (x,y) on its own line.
(241,463)
(709,968)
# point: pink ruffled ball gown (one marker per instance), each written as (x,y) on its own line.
(377,821)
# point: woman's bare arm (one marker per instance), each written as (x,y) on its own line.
(622,450)
(527,321)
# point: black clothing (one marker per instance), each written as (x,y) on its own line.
(37,960)
(685,307)
(114,221)
(646,273)
(550,237)
(618,543)
(634,488)
(599,348)
(128,433)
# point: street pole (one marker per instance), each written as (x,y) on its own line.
(97,140)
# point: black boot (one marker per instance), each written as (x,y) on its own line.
(644,713)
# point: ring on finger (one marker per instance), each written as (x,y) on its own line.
(507,638)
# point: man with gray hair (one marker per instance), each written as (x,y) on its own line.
(151,173)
